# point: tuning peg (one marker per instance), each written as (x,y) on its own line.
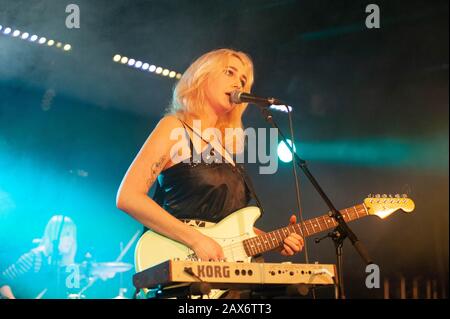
(384,196)
(390,196)
(369,196)
(377,196)
(404,196)
(397,196)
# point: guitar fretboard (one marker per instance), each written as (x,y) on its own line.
(274,239)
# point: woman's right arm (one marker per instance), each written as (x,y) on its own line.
(132,196)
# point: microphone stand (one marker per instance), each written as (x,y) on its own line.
(342,231)
(56,257)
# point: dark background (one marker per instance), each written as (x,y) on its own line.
(371,116)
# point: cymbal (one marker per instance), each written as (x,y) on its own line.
(109,268)
(121,295)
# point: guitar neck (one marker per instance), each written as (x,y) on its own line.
(274,239)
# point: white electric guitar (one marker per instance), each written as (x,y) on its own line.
(240,243)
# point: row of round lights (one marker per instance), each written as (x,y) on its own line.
(34,38)
(144,66)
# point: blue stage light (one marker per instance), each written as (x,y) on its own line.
(284,153)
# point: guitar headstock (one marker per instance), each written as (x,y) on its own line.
(384,205)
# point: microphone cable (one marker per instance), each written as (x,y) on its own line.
(297,191)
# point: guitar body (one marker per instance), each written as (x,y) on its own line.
(153,248)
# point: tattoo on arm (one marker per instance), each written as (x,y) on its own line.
(156,169)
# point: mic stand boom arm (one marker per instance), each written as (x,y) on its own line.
(342,230)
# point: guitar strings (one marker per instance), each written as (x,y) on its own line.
(232,247)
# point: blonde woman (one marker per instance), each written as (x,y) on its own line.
(189,184)
(34,274)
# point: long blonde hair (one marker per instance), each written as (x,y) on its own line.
(57,226)
(189,96)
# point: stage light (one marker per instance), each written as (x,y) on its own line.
(284,153)
(1,27)
(34,38)
(281,108)
(178,76)
(144,66)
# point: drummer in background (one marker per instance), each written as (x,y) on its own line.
(40,273)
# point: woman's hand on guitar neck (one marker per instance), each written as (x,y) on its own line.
(293,243)
(207,249)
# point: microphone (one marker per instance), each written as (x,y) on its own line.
(238,97)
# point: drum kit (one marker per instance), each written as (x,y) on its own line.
(108,270)
(91,272)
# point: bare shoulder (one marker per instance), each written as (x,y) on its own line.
(168,123)
(167,131)
(164,136)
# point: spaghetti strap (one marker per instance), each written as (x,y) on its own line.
(191,145)
(185,124)
(190,140)
(193,131)
(207,142)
